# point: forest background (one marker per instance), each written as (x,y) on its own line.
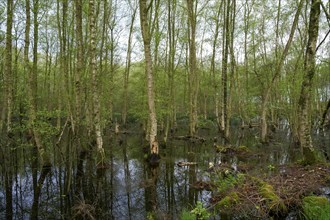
(82,64)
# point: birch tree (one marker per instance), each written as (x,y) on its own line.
(145,29)
(304,130)
(95,78)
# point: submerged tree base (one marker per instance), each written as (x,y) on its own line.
(153,159)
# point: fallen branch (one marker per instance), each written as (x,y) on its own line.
(190,138)
(182,163)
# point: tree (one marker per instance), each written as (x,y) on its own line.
(278,68)
(213,60)
(8,79)
(95,79)
(79,63)
(149,73)
(226,40)
(304,103)
(193,70)
(128,65)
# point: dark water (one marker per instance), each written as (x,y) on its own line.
(127,188)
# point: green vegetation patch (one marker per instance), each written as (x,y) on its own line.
(228,201)
(316,207)
(273,201)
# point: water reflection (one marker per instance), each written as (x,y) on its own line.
(125,187)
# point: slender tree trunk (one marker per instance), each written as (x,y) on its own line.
(80,62)
(279,64)
(8,78)
(232,67)
(170,119)
(213,69)
(128,68)
(150,81)
(32,90)
(95,80)
(305,139)
(8,82)
(225,121)
(8,182)
(193,79)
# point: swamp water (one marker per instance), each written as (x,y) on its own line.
(126,187)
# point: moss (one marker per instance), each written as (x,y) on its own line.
(273,201)
(228,201)
(187,215)
(327,179)
(316,207)
(220,148)
(310,156)
(243,149)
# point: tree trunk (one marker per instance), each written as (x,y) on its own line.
(8,78)
(226,34)
(95,79)
(170,119)
(232,68)
(213,70)
(305,139)
(193,79)
(150,81)
(128,68)
(80,62)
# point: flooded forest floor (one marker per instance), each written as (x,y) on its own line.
(199,177)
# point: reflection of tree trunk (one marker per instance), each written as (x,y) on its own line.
(37,191)
(127,179)
(305,139)
(151,189)
(192,196)
(9,191)
(80,172)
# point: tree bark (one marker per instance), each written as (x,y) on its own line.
(8,78)
(170,118)
(193,75)
(213,69)
(80,62)
(128,67)
(150,81)
(95,79)
(305,139)
(226,34)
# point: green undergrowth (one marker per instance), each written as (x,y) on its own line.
(187,215)
(316,208)
(228,201)
(273,202)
